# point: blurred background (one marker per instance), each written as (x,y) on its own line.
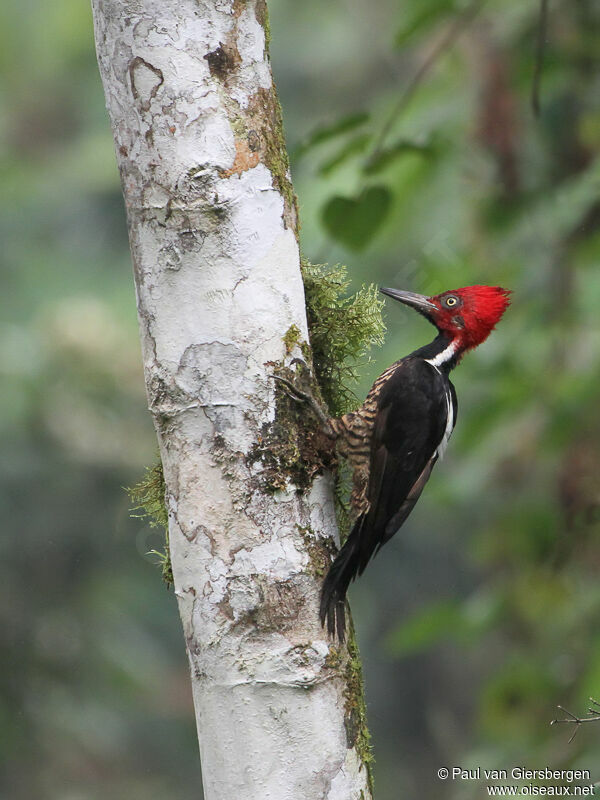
(485,613)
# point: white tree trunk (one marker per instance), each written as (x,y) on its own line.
(214,244)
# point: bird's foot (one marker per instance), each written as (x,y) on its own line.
(293,391)
(301,396)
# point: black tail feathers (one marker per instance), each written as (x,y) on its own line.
(333,595)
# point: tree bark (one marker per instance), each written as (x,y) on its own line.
(212,225)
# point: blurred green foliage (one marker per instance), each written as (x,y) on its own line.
(484,613)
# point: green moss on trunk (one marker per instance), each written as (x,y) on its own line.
(342,328)
(292,448)
(148,497)
(355,708)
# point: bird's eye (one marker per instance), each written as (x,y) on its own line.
(450,302)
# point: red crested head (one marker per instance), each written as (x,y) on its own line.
(470,314)
(466,316)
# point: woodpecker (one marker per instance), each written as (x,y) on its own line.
(394,439)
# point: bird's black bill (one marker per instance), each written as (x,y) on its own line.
(417,301)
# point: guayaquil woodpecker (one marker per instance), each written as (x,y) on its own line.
(394,439)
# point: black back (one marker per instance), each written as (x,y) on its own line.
(409,426)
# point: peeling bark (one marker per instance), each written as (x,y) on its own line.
(212,225)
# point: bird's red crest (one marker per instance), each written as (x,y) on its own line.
(470,314)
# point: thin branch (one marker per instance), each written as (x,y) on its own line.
(539,57)
(462,21)
(572,719)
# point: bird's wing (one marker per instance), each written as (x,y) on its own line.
(409,426)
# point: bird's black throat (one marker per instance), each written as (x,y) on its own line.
(435,349)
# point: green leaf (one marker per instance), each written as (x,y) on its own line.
(403,147)
(426,16)
(354,221)
(326,132)
(355,145)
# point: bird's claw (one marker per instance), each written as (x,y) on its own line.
(291,390)
(305,397)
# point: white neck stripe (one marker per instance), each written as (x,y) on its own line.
(444,356)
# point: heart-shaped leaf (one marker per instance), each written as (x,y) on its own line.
(353,221)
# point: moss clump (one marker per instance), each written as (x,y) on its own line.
(320,551)
(333,659)
(343,327)
(355,709)
(148,496)
(291,338)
